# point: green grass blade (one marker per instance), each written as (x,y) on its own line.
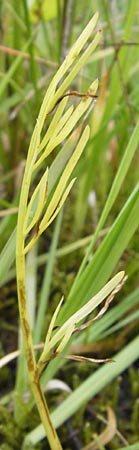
(13,68)
(122,324)
(130,447)
(100,268)
(116,88)
(7,256)
(106,257)
(116,186)
(99,328)
(31,48)
(46,282)
(88,389)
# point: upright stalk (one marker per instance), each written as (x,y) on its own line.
(24,318)
(30,357)
(35,215)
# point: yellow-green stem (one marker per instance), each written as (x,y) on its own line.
(25,325)
(31,363)
(54,94)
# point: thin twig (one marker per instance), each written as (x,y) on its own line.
(8,212)
(67,16)
(15,52)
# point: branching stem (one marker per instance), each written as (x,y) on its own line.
(60,129)
(24,317)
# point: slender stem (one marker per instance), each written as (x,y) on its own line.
(24,317)
(52,97)
(30,357)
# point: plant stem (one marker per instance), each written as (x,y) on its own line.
(30,357)
(24,317)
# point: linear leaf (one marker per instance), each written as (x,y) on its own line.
(88,389)
(103,262)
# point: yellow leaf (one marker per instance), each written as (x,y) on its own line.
(64,178)
(38,195)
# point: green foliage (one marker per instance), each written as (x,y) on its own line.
(47,11)
(109,166)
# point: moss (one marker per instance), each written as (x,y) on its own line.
(10,434)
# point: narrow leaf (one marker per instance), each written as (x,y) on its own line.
(88,389)
(65,176)
(39,192)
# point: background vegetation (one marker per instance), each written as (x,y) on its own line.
(102,211)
